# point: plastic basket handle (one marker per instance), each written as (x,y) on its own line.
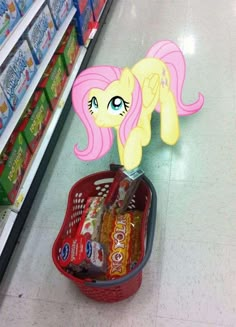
(150,238)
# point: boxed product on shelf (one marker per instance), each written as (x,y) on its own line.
(35,119)
(13,164)
(59,10)
(69,48)
(9,16)
(23,5)
(81,5)
(85,23)
(41,33)
(53,80)
(5,111)
(97,6)
(17,73)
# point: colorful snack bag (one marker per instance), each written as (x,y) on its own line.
(91,218)
(123,188)
(121,237)
(83,257)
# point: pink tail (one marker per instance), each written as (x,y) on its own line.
(171,55)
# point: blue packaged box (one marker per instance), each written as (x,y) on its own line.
(59,10)
(41,33)
(9,16)
(5,111)
(23,5)
(85,24)
(17,74)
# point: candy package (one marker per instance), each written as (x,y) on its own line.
(122,239)
(82,257)
(91,218)
(122,189)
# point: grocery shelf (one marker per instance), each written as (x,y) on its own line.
(40,70)
(19,29)
(17,214)
(37,157)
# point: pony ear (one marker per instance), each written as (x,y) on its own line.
(127,79)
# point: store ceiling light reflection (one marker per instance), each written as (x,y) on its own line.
(187,44)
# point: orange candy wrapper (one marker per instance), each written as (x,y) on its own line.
(121,237)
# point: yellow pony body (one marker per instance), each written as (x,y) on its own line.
(149,73)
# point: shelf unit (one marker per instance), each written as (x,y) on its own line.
(19,29)
(17,214)
(40,70)
(37,157)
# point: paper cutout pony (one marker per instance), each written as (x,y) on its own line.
(107,97)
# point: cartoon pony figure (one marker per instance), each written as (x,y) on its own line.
(107,97)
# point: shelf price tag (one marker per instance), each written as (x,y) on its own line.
(61,104)
(19,200)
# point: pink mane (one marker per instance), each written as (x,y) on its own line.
(171,55)
(100,139)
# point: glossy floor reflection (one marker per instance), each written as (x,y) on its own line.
(190,278)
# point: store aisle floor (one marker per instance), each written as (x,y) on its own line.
(190,278)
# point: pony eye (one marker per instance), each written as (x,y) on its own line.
(117,106)
(93,104)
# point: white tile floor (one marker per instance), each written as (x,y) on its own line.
(190,280)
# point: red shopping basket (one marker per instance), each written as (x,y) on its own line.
(98,185)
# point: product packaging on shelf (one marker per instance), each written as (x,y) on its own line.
(5,111)
(41,33)
(9,16)
(53,80)
(23,5)
(85,24)
(35,119)
(13,164)
(69,48)
(59,10)
(82,5)
(17,74)
(97,6)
